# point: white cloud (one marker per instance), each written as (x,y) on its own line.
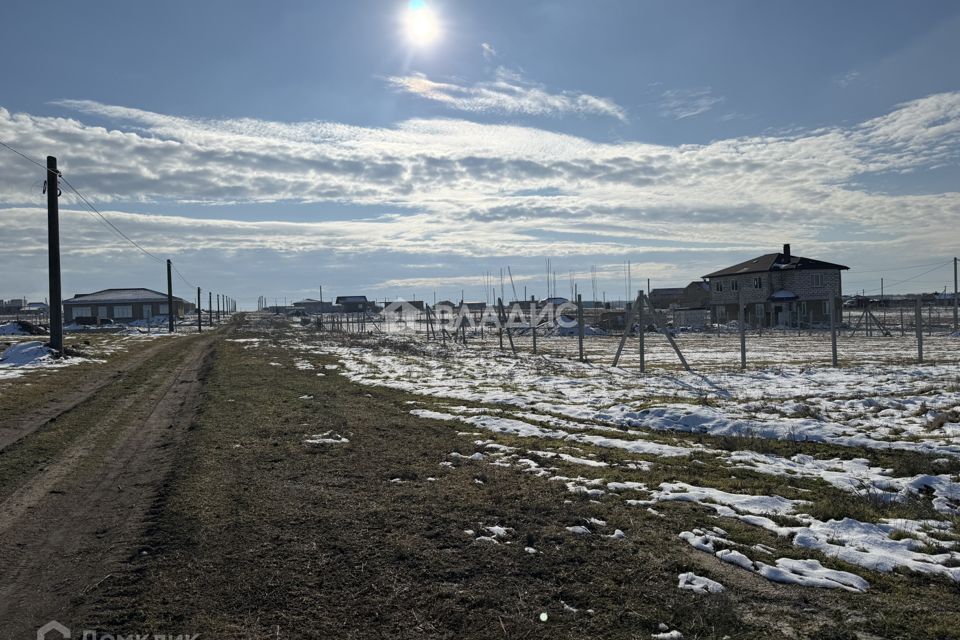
(848,79)
(508,92)
(488,51)
(469,191)
(687,103)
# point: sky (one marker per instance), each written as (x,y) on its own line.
(273,148)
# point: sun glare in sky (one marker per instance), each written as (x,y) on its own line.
(421,24)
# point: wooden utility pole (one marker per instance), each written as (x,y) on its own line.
(169,297)
(199,313)
(53,244)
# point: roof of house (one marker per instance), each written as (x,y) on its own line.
(120,296)
(774,262)
(351,299)
(668,291)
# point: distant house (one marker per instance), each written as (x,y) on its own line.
(354,304)
(695,295)
(122,305)
(309,305)
(777,289)
(12,306)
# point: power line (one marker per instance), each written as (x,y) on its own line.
(24,156)
(100,217)
(919,275)
(105,219)
(888,270)
(188,283)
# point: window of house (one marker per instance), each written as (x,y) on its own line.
(163,309)
(818,279)
(81,312)
(758,282)
(123,311)
(718,286)
(734,285)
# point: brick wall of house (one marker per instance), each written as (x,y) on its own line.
(802,282)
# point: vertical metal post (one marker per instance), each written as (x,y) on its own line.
(533,322)
(199,313)
(169,298)
(956,301)
(218,308)
(210,308)
(580,324)
(833,331)
(743,331)
(919,323)
(641,332)
(53,244)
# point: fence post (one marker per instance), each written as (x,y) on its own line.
(580,324)
(919,323)
(743,332)
(956,309)
(833,330)
(641,330)
(533,322)
(199,313)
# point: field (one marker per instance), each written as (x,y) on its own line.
(313,484)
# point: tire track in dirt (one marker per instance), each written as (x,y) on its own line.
(70,525)
(17,429)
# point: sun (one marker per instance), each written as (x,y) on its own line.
(421,24)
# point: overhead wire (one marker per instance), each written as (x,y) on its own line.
(99,216)
(911,278)
(24,156)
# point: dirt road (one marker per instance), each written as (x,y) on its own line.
(78,477)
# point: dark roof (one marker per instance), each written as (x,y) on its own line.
(668,291)
(774,262)
(120,296)
(350,299)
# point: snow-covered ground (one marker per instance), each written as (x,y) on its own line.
(25,355)
(879,403)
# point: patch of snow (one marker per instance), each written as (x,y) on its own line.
(698,584)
